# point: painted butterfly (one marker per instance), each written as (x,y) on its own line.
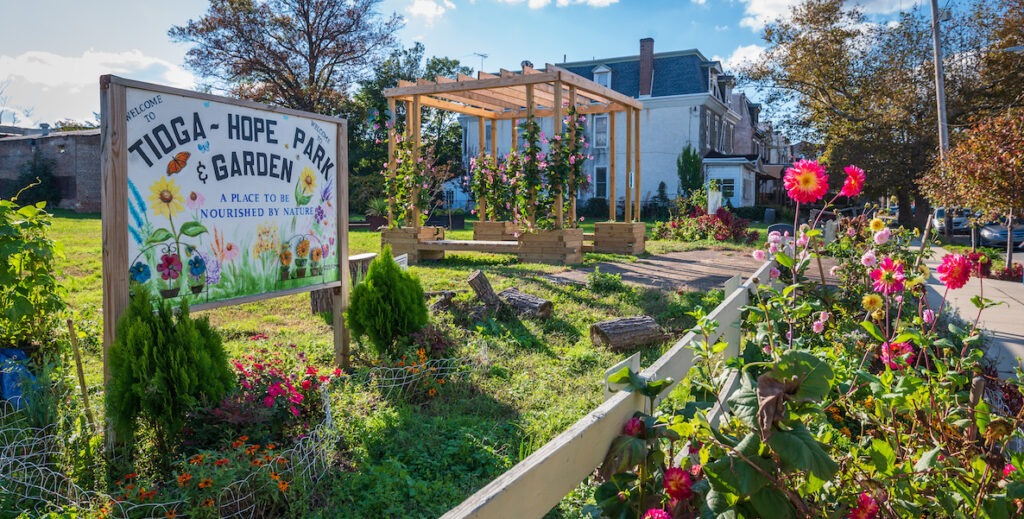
(178,163)
(204,147)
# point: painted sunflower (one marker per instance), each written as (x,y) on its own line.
(307,181)
(166,198)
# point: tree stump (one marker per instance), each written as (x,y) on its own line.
(527,304)
(626,333)
(479,283)
(322,300)
(444,299)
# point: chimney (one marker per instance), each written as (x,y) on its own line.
(646,66)
(45,129)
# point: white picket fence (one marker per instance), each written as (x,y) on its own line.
(536,484)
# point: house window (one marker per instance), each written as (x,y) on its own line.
(748,189)
(603,78)
(707,130)
(601,131)
(449,198)
(728,187)
(601,182)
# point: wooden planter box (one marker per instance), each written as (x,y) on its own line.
(563,247)
(404,240)
(495,231)
(620,237)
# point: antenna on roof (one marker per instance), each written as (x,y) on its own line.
(482,58)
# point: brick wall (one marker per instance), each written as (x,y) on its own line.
(77,159)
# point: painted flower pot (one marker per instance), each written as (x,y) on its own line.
(284,273)
(197,289)
(168,293)
(314,270)
(300,272)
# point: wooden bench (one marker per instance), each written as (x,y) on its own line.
(496,247)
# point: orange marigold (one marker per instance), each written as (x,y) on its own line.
(205,483)
(282,485)
(184,479)
(197,459)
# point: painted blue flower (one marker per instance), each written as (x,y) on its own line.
(140,272)
(196,266)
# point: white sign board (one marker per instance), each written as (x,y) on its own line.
(228,201)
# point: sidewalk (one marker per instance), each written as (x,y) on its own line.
(1004,323)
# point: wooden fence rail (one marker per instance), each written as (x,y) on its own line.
(536,484)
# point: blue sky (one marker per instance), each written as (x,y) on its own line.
(52,52)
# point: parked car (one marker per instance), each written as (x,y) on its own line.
(995,234)
(961,225)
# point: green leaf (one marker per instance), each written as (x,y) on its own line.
(656,387)
(883,456)
(927,460)
(743,403)
(625,452)
(812,233)
(813,374)
(982,303)
(996,507)
(736,476)
(192,229)
(784,260)
(1015,490)
(159,235)
(797,449)
(872,329)
(982,416)
(771,502)
(620,377)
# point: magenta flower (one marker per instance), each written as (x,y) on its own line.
(888,277)
(806,181)
(268,401)
(677,483)
(854,181)
(866,508)
(657,513)
(169,267)
(897,356)
(634,427)
(928,315)
(954,271)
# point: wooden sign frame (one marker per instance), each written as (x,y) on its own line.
(114,168)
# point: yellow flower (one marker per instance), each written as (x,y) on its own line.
(871,302)
(869,402)
(915,282)
(166,198)
(307,181)
(286,258)
(876,224)
(302,250)
(878,315)
(266,239)
(923,270)
(317,255)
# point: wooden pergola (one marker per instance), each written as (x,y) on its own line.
(515,96)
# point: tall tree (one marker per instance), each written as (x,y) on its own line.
(866,90)
(302,54)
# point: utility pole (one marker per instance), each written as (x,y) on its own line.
(940,98)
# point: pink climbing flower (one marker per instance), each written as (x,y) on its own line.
(758,255)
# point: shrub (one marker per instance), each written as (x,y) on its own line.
(36,181)
(30,296)
(388,304)
(161,368)
(1011,274)
(603,283)
(433,340)
(594,208)
(721,226)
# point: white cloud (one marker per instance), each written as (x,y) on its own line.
(53,87)
(720,28)
(760,12)
(538,4)
(741,55)
(429,10)
(699,2)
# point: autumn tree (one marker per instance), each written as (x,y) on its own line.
(301,54)
(866,91)
(984,170)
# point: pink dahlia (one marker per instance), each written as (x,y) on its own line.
(954,271)
(677,483)
(897,355)
(634,427)
(657,513)
(888,277)
(866,508)
(806,181)
(854,182)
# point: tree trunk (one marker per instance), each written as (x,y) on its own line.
(527,304)
(626,333)
(1009,241)
(479,283)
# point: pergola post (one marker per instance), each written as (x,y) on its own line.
(515,134)
(629,164)
(636,165)
(481,204)
(415,212)
(612,199)
(533,190)
(391,158)
(572,180)
(557,131)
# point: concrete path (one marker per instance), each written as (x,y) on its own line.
(1003,323)
(690,270)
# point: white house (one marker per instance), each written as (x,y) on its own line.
(687,101)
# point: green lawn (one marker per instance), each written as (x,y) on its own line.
(536,378)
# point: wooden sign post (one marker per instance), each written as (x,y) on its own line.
(219,202)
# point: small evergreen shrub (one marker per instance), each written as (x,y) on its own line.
(388,304)
(160,369)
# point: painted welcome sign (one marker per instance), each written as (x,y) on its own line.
(227,201)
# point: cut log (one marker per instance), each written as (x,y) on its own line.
(626,333)
(527,304)
(478,281)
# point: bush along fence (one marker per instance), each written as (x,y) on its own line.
(799,399)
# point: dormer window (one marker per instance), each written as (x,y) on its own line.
(603,76)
